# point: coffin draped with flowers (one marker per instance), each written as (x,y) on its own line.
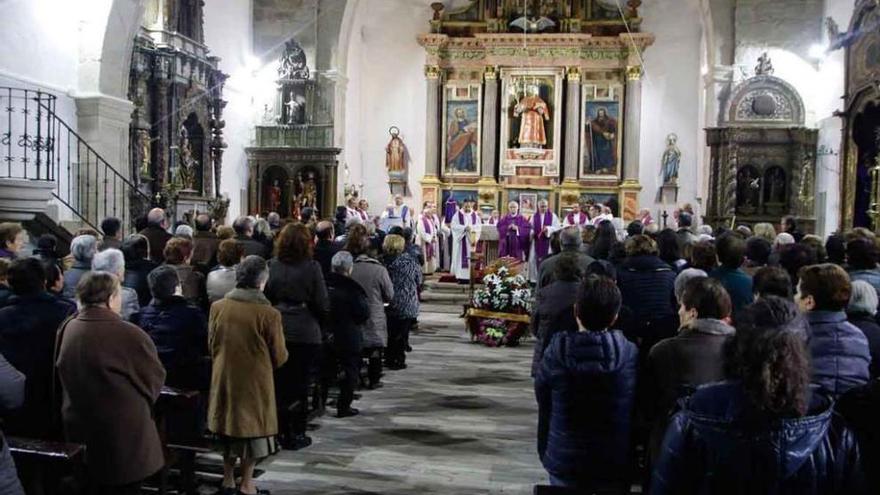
(499,311)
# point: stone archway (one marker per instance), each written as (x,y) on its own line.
(103,112)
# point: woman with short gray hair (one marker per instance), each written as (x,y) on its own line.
(246,342)
(861,312)
(82,249)
(112,261)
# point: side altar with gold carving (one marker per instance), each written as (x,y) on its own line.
(534,100)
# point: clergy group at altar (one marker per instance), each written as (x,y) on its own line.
(449,240)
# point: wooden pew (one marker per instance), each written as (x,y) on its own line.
(181,448)
(42,464)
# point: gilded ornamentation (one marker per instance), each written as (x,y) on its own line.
(633,73)
(490,74)
(574,74)
(432,72)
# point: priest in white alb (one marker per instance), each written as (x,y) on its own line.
(464,221)
(396,215)
(427,236)
(576,217)
(544,223)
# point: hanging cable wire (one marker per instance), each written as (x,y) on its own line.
(635,47)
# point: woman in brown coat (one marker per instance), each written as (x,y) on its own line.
(111,377)
(246,342)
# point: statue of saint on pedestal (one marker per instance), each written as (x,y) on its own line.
(395,154)
(532,111)
(670,161)
(186,166)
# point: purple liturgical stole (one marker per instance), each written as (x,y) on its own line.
(542,242)
(464,249)
(512,243)
(429,246)
(570,219)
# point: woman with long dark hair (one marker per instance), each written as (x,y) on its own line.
(605,240)
(296,289)
(766,430)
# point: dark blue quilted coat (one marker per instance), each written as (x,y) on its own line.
(840,352)
(718,445)
(585,389)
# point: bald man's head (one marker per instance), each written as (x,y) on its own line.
(324,230)
(156,217)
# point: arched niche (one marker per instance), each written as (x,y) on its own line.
(748,190)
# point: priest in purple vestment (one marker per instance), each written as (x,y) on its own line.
(543,224)
(513,233)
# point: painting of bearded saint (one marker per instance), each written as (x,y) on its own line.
(602,137)
(462,138)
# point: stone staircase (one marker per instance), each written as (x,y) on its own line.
(444,297)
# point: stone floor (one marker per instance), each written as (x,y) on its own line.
(460,420)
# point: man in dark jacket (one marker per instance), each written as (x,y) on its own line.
(678,365)
(27,340)
(570,246)
(138,265)
(244,233)
(325,248)
(554,305)
(840,353)
(205,242)
(156,234)
(647,284)
(348,305)
(731,249)
(585,389)
(179,330)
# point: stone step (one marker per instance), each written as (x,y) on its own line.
(444,298)
(453,310)
(446,287)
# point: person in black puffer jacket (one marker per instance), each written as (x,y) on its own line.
(765,431)
(585,389)
(350,310)
(138,265)
(179,330)
(647,284)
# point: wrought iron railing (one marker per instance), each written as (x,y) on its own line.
(36,144)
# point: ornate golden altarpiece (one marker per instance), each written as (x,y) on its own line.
(860,148)
(541,103)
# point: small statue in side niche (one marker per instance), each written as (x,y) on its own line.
(805,189)
(294,111)
(186,164)
(146,154)
(670,161)
(274,196)
(309,197)
(268,115)
(395,153)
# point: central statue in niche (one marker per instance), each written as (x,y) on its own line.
(533,111)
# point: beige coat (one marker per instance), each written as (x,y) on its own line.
(111,377)
(246,342)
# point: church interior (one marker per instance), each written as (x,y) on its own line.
(480,132)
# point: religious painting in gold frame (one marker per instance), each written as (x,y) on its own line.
(602,131)
(462,123)
(531,119)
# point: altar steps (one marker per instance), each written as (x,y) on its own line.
(444,297)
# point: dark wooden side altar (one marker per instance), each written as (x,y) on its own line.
(535,100)
(763,163)
(293,164)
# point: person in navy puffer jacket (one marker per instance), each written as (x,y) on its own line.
(647,285)
(179,330)
(840,352)
(766,430)
(585,389)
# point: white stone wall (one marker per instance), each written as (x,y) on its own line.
(386,88)
(228,26)
(671,100)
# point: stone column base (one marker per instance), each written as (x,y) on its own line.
(629,199)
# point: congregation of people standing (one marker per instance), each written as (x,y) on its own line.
(261,321)
(716,361)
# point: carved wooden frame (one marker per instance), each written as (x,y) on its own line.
(476,88)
